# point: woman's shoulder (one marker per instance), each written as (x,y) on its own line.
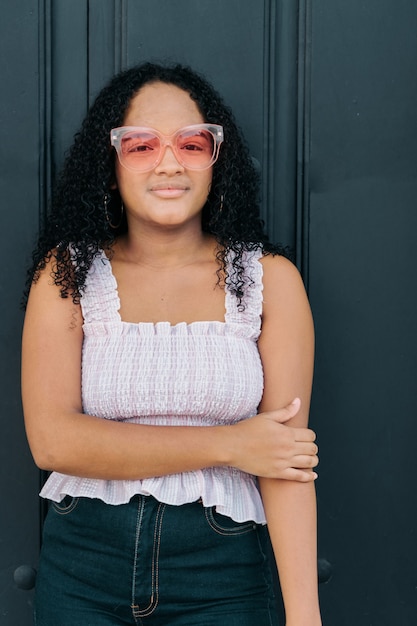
(47,309)
(283,286)
(277,267)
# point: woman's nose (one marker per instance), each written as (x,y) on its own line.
(169,162)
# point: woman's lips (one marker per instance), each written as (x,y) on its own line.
(169,191)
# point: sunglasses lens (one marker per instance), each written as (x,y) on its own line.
(139,149)
(195,148)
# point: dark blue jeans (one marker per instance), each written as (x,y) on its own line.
(151,564)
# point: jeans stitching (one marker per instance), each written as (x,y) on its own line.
(268,582)
(65,510)
(142,532)
(220,530)
(141,508)
(154,599)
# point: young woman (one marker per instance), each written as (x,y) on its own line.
(167,368)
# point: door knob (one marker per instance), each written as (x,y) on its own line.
(325,570)
(24,577)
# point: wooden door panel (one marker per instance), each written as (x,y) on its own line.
(19,191)
(325,94)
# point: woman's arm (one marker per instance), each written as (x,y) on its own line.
(64,439)
(286,346)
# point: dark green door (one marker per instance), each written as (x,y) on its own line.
(362,269)
(325,91)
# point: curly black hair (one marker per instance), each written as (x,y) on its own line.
(77,217)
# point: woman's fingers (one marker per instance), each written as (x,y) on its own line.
(304,434)
(304,461)
(287,412)
(302,476)
(269,448)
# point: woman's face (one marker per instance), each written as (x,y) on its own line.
(169,195)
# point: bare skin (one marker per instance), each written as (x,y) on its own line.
(165,268)
(51,388)
(286,346)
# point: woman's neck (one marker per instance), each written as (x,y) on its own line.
(165,250)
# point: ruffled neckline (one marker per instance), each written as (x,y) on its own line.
(101,305)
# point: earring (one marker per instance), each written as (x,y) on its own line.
(221,203)
(108,218)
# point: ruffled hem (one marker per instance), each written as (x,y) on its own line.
(233,493)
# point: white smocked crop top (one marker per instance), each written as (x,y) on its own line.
(198,374)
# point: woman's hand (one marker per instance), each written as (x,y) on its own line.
(266,447)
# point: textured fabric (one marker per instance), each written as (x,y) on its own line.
(146,563)
(202,374)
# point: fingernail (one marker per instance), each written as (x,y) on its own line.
(315,475)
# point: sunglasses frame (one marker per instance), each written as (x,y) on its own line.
(116,136)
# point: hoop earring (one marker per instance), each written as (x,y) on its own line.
(106,212)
